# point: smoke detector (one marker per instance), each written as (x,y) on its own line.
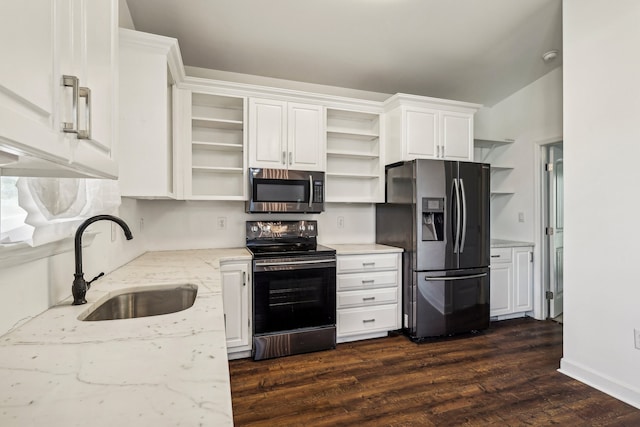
(550,55)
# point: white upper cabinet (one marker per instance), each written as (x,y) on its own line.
(57,99)
(428,128)
(286,135)
(149,68)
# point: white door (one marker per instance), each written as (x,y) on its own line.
(457,135)
(556,223)
(267,133)
(28,79)
(501,287)
(421,133)
(235,300)
(306,137)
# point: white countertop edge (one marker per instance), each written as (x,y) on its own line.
(503,243)
(362,248)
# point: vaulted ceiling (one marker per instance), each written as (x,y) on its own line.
(468,50)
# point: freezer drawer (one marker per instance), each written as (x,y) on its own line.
(449,302)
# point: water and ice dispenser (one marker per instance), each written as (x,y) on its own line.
(432,218)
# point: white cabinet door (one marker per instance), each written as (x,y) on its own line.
(523,279)
(97,69)
(306,139)
(267,133)
(146,149)
(64,37)
(421,133)
(501,284)
(235,295)
(456,135)
(286,135)
(29,81)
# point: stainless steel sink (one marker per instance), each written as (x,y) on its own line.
(145,302)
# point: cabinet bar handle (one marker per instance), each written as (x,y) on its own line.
(368,263)
(368,320)
(368,298)
(72,82)
(495,256)
(367,281)
(85,92)
(284,157)
(290,157)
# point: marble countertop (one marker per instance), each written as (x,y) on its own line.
(168,370)
(501,243)
(363,248)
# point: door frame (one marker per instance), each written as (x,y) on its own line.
(540,250)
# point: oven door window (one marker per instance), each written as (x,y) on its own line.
(292,299)
(280,191)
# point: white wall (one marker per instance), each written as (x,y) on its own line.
(30,288)
(602,148)
(531,115)
(170,224)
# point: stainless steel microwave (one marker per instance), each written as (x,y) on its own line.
(288,191)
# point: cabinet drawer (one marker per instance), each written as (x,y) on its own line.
(367,297)
(383,279)
(368,319)
(356,263)
(500,255)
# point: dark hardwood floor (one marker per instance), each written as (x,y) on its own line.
(505,376)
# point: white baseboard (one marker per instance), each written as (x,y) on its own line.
(605,384)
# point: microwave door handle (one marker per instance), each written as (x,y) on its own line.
(310,190)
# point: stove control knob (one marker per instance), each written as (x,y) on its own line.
(311,227)
(254,228)
(302,228)
(266,228)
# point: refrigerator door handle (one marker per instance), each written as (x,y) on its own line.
(456,212)
(464,216)
(451,278)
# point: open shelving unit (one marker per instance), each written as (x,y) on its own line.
(484,149)
(217,147)
(355,169)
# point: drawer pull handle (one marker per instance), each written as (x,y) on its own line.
(364,264)
(368,298)
(368,320)
(368,281)
(495,256)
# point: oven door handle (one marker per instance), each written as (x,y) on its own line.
(289,265)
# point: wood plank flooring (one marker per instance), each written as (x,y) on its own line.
(505,376)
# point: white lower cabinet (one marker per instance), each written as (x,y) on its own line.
(511,282)
(368,295)
(236,296)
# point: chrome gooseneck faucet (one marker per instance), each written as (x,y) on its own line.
(81,286)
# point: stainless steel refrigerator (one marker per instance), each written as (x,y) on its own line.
(438,212)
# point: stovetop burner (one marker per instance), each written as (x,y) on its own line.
(275,238)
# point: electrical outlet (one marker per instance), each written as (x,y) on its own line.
(222,222)
(340,222)
(520,216)
(636,334)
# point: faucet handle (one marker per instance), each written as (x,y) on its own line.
(94,279)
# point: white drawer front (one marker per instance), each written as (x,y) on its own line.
(369,319)
(367,280)
(367,297)
(355,263)
(500,255)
